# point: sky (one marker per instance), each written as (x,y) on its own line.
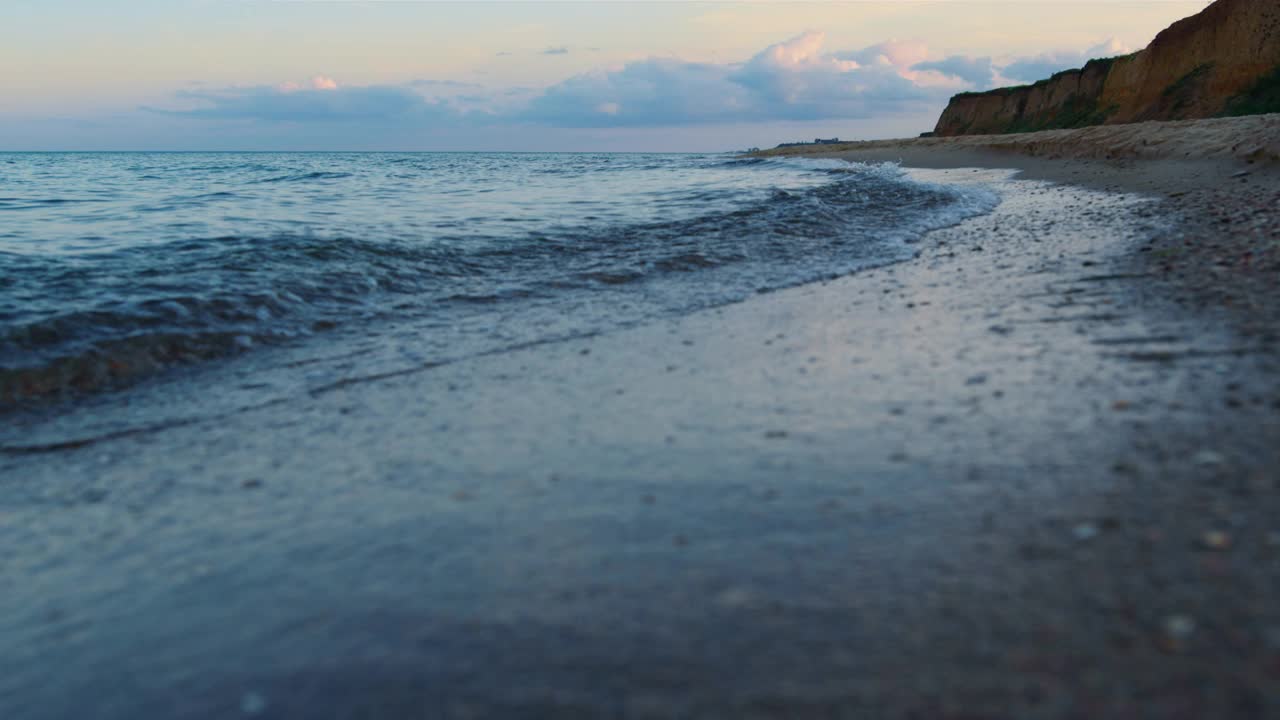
(524,76)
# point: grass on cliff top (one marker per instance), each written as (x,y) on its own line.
(1104,63)
(1262,98)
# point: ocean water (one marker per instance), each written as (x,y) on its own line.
(118,266)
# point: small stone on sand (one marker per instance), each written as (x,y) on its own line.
(252,703)
(1208,458)
(1176,630)
(1215,540)
(1084,532)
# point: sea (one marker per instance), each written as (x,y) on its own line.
(120,267)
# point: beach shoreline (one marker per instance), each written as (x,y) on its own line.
(1219,180)
(1251,140)
(1028,474)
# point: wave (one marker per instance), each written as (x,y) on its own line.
(70,325)
(305,177)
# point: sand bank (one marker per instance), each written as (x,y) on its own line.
(1012,478)
(1255,138)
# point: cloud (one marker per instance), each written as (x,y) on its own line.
(894,53)
(978,72)
(795,80)
(319,82)
(1039,67)
(657,91)
(556,51)
(454,84)
(323,100)
(789,72)
(985,72)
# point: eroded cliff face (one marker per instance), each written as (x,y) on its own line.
(1203,66)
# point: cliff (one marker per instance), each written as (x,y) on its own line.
(1223,61)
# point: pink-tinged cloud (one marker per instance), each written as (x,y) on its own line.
(797,80)
(799,54)
(900,54)
(318,82)
(1031,69)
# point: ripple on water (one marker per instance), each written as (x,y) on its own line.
(189,257)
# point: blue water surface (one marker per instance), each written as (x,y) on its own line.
(115,265)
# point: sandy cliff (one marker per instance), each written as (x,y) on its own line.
(1225,60)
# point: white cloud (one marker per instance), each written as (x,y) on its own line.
(797,80)
(984,72)
(901,54)
(978,72)
(319,82)
(322,101)
(1039,67)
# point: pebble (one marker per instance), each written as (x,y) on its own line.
(1176,631)
(1271,637)
(1215,540)
(1207,458)
(252,703)
(1084,532)
(94,495)
(735,597)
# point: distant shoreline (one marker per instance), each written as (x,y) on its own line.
(1219,178)
(1251,140)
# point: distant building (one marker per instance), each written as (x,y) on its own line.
(816,141)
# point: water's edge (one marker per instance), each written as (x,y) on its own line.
(88,320)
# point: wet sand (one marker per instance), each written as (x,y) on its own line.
(1030,474)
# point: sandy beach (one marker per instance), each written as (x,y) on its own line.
(1253,139)
(1029,474)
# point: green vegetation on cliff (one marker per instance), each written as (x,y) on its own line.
(1262,98)
(1181,93)
(1223,61)
(1076,112)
